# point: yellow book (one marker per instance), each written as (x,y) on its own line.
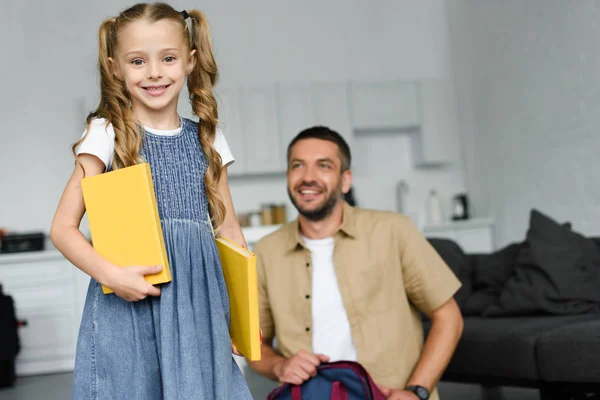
(123,217)
(239,269)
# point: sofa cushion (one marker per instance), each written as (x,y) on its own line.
(557,272)
(458,261)
(490,273)
(571,353)
(502,347)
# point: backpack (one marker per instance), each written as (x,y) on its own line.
(9,340)
(340,380)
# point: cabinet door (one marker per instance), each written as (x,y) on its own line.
(388,105)
(438,139)
(48,341)
(229,103)
(476,240)
(44,293)
(332,108)
(296,112)
(262,139)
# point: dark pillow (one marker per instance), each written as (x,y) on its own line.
(557,272)
(458,261)
(491,271)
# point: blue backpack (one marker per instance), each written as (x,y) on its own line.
(341,380)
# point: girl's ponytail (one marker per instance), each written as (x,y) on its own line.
(200,83)
(114,102)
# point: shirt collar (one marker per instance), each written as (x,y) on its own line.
(348,228)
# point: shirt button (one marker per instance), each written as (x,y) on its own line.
(308,296)
(307,329)
(308,264)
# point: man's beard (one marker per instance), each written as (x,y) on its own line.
(322,212)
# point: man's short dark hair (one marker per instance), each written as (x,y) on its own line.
(324,133)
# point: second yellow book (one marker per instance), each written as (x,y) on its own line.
(239,270)
(123,216)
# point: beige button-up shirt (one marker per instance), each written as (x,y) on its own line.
(386,271)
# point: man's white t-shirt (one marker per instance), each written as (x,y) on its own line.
(100,142)
(331,329)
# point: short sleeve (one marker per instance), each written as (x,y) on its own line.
(99,141)
(428,280)
(223,148)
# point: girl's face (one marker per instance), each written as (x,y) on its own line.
(153,59)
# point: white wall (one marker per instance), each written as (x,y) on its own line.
(50,76)
(528,84)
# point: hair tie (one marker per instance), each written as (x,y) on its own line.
(184,14)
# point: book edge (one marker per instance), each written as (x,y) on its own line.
(161,238)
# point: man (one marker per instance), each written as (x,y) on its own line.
(344,283)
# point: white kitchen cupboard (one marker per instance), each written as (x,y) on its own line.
(305,105)
(262,143)
(473,235)
(384,105)
(437,141)
(249,119)
(424,108)
(332,108)
(229,103)
(296,111)
(49,293)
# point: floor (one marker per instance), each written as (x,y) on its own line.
(58,387)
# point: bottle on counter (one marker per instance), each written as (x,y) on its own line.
(433,208)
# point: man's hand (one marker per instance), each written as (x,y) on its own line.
(299,368)
(397,394)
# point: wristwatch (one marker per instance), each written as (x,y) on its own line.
(421,392)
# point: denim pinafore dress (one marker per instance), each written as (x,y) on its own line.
(176,346)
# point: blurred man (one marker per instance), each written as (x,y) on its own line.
(344,283)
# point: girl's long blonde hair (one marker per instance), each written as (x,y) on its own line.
(115,102)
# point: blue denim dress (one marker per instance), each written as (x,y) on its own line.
(176,346)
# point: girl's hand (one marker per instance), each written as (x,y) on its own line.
(129,284)
(234,349)
(236,236)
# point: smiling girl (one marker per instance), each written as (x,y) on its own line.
(146,342)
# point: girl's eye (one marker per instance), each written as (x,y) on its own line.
(137,61)
(169,59)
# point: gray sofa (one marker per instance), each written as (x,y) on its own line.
(531,316)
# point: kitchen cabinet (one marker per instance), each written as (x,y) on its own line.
(424,108)
(296,110)
(473,235)
(249,120)
(259,121)
(332,108)
(305,105)
(49,293)
(437,141)
(262,143)
(384,105)
(229,103)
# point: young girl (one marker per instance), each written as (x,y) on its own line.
(170,341)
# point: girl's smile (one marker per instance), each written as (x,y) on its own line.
(155,90)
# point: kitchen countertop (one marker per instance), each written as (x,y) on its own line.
(30,256)
(252,234)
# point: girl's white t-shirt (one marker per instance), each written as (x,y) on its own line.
(100,142)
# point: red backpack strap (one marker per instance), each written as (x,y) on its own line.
(296,392)
(338,391)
